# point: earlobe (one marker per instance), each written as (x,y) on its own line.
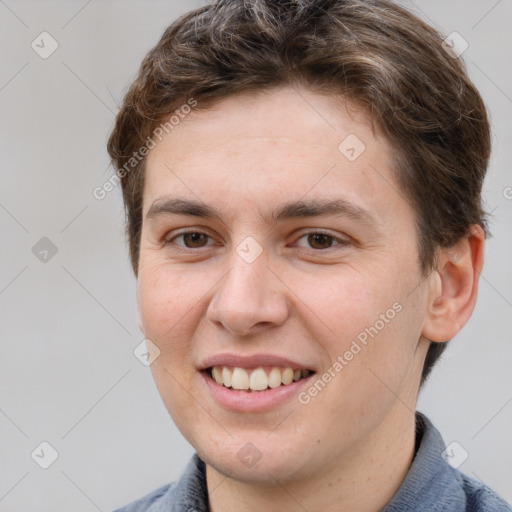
(454,287)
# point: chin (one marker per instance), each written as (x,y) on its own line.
(259,462)
(265,472)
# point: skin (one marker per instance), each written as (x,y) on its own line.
(351,446)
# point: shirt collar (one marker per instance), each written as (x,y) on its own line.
(190,492)
(430,481)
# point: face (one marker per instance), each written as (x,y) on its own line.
(297,260)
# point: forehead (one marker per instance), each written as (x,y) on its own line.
(280,115)
(268,148)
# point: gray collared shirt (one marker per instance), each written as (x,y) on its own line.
(431,485)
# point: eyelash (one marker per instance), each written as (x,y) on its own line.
(341,242)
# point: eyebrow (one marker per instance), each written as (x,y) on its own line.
(290,210)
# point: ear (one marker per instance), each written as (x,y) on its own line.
(454,286)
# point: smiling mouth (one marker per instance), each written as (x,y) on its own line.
(257,379)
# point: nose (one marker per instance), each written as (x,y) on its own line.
(249,298)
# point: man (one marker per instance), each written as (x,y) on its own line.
(302,182)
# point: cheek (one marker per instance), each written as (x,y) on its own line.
(169,309)
(340,306)
(166,299)
(382,356)
(370,324)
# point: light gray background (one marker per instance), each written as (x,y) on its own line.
(68,326)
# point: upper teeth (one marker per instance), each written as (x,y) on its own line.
(257,379)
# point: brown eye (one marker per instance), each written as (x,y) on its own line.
(320,241)
(195,239)
(191,239)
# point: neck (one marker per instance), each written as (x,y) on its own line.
(365,480)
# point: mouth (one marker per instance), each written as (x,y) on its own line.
(256,380)
(255,383)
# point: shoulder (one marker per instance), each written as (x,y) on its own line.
(480,498)
(153,502)
(188,493)
(433,485)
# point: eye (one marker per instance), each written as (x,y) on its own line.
(191,239)
(321,241)
(317,240)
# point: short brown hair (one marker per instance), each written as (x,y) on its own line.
(372,52)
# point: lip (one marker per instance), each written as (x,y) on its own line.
(241,401)
(246,401)
(251,362)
